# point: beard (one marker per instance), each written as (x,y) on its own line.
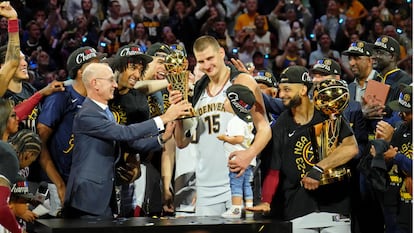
(294,102)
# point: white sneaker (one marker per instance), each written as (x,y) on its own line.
(232,213)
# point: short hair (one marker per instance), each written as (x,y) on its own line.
(93,70)
(204,42)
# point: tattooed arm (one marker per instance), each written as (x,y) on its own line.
(12,59)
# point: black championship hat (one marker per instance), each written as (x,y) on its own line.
(131,50)
(241,100)
(359,48)
(326,66)
(79,57)
(389,44)
(265,77)
(158,50)
(405,100)
(295,74)
(20,190)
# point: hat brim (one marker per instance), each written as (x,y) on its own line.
(396,106)
(319,71)
(353,53)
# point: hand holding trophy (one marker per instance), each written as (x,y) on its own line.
(176,64)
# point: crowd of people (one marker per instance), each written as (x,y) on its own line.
(279,115)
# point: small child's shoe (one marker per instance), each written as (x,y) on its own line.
(233,212)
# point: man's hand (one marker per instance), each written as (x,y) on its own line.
(61,193)
(310,183)
(372,109)
(52,87)
(384,131)
(239,161)
(241,67)
(7,10)
(263,207)
(168,203)
(390,153)
(28,216)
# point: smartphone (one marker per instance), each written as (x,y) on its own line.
(235,50)
(132,25)
(102,44)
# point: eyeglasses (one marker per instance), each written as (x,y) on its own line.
(111,80)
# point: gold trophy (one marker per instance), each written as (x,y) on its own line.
(176,64)
(331,97)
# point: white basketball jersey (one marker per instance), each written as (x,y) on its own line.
(211,168)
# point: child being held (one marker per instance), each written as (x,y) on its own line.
(239,136)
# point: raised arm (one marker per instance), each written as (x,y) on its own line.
(12,59)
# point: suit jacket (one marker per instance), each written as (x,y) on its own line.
(92,174)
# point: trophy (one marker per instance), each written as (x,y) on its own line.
(331,97)
(176,65)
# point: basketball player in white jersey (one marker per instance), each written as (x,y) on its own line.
(212,181)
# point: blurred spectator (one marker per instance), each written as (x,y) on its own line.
(247,49)
(343,36)
(152,17)
(283,25)
(109,43)
(404,42)
(169,38)
(182,21)
(266,41)
(74,7)
(117,24)
(289,57)
(297,31)
(54,24)
(376,30)
(140,36)
(245,21)
(324,50)
(35,40)
(233,9)
(355,10)
(219,31)
(205,11)
(92,19)
(41,69)
(385,13)
(212,16)
(332,20)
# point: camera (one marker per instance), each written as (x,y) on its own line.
(341,20)
(132,25)
(84,39)
(399,31)
(102,44)
(289,2)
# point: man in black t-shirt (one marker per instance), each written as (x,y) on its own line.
(308,204)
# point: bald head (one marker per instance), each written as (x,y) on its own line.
(93,71)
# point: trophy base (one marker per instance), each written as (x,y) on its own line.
(335,175)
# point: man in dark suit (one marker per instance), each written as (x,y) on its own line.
(90,188)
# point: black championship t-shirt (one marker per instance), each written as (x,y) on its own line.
(293,155)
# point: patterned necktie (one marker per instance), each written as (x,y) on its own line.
(109,114)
